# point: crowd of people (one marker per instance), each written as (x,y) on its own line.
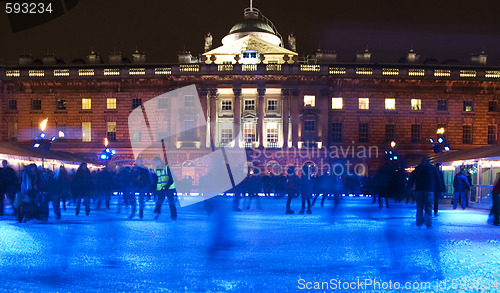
(31,193)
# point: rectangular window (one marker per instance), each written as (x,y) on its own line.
(492,134)
(272,134)
(337,103)
(227,105)
(415,133)
(493,106)
(363,103)
(86,104)
(86,132)
(136,103)
(309,101)
(272,105)
(390,132)
(442,105)
(467,134)
(136,135)
(226,136)
(390,104)
(188,101)
(12,131)
(111,103)
(61,105)
(189,133)
(36,105)
(249,132)
(12,105)
(249,105)
(416,104)
(162,103)
(111,131)
(363,132)
(468,106)
(309,125)
(336,132)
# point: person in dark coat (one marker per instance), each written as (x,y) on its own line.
(440,186)
(292,186)
(63,184)
(425,180)
(306,188)
(82,188)
(27,208)
(495,208)
(105,184)
(461,185)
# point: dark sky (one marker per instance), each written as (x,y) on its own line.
(439,29)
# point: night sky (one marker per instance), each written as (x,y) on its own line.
(440,29)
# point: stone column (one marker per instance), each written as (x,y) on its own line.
(237,114)
(260,114)
(323,116)
(204,142)
(295,114)
(213,116)
(285,96)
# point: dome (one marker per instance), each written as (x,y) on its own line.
(251,25)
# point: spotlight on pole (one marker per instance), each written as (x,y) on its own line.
(36,145)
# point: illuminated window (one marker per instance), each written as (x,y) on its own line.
(467,134)
(162,103)
(390,104)
(36,105)
(85,72)
(111,103)
(337,103)
(136,103)
(163,71)
(111,131)
(390,71)
(12,105)
(468,106)
(309,125)
(415,133)
(492,134)
(364,71)
(113,71)
(189,68)
(249,132)
(36,73)
(337,70)
(272,105)
(249,105)
(61,105)
(226,136)
(306,67)
(467,73)
(188,101)
(442,105)
(13,73)
(440,72)
(86,131)
(137,71)
(416,72)
(309,101)
(227,105)
(363,132)
(416,104)
(250,57)
(61,72)
(364,103)
(272,134)
(492,74)
(86,104)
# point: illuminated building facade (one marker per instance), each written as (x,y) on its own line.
(287,110)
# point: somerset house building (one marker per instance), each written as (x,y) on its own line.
(258,94)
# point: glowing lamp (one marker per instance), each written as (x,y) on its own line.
(440,140)
(431,140)
(440,130)
(43,124)
(393,144)
(36,145)
(42,135)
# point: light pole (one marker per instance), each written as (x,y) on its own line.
(107,154)
(41,142)
(440,145)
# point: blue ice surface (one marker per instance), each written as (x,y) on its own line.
(257,250)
